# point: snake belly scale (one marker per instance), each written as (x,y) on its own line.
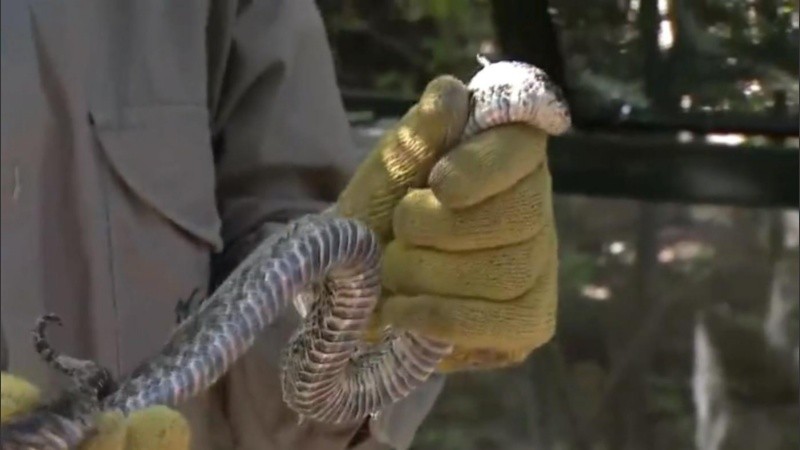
(328,373)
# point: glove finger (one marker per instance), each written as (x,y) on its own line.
(404,156)
(510,217)
(525,322)
(487,164)
(111,433)
(498,274)
(18,396)
(158,428)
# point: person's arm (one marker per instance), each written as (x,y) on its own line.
(281,136)
(283,143)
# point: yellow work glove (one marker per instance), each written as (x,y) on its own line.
(470,243)
(156,428)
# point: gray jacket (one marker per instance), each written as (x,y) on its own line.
(138,139)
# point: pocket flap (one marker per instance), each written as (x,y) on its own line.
(164,155)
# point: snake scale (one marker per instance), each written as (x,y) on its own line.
(328,373)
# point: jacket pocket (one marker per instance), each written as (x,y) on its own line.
(163,154)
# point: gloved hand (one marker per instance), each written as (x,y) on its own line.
(156,428)
(470,242)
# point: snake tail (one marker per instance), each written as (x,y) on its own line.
(69,419)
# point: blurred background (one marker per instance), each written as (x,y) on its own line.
(677,208)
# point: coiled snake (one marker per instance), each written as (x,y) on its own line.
(328,373)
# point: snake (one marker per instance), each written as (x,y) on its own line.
(328,267)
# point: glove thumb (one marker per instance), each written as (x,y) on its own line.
(404,156)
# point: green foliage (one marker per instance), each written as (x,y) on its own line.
(396,47)
(722,55)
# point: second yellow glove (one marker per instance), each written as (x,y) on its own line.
(471,249)
(156,428)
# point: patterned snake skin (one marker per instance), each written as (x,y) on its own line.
(328,373)
(65,422)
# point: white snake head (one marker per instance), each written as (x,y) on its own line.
(511,91)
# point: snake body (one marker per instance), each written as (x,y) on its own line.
(328,374)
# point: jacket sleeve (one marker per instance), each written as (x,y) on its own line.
(283,145)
